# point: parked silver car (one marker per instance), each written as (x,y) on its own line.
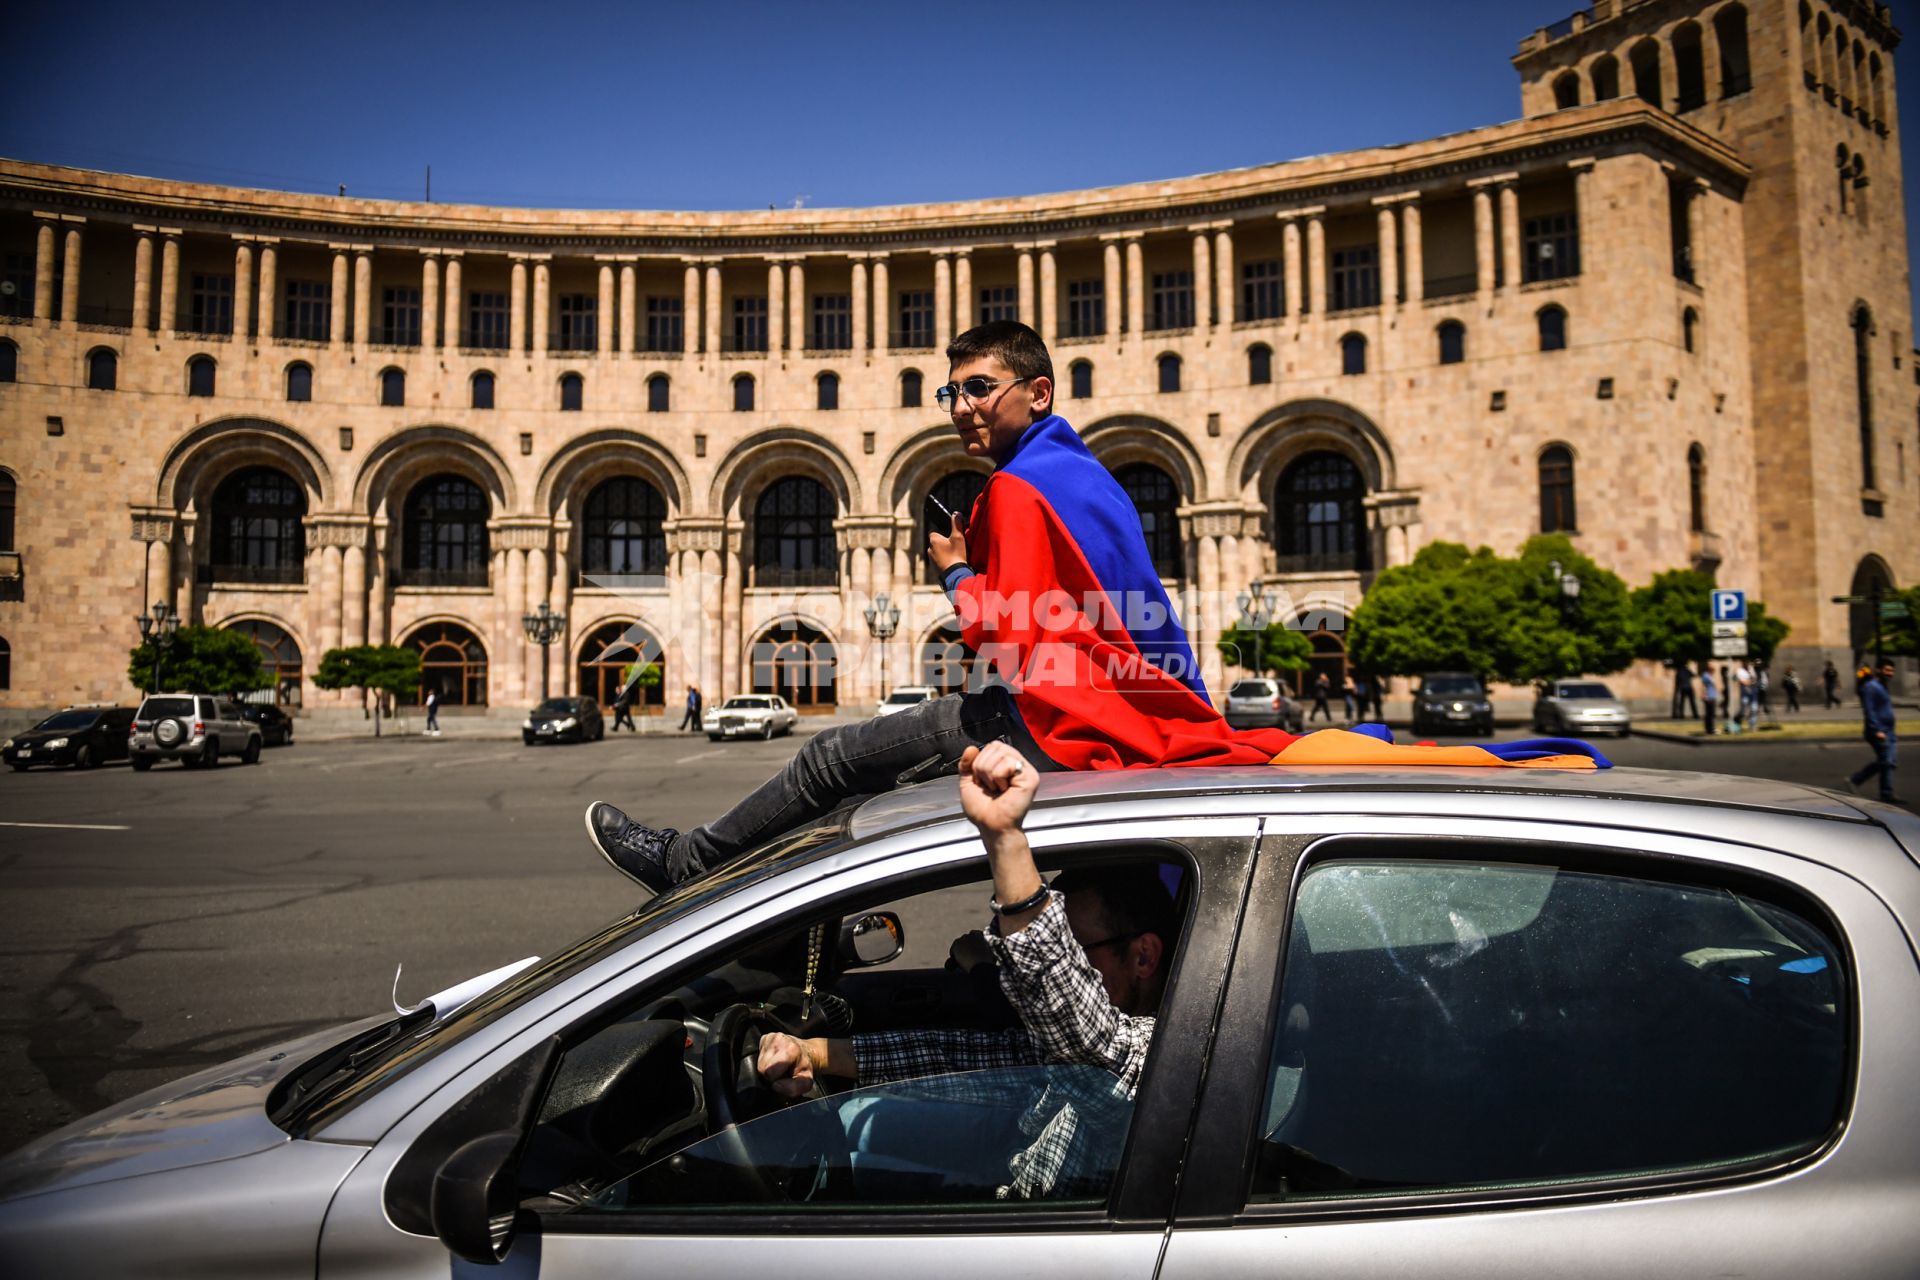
(1260,703)
(750,715)
(1580,707)
(193,728)
(1437,1022)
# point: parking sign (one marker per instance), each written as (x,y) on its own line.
(1729,606)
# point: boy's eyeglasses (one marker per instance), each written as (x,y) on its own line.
(974,389)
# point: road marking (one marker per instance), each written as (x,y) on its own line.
(65,826)
(699,755)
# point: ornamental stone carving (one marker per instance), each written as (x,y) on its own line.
(336,533)
(149,527)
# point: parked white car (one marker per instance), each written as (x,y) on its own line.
(759,715)
(907,695)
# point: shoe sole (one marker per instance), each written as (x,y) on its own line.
(593,835)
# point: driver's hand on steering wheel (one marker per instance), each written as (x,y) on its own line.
(787,1064)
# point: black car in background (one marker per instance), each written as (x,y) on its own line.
(571,719)
(82,737)
(1452,701)
(276,726)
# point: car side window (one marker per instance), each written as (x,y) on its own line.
(1452,1024)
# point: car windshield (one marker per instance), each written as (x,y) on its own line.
(69,720)
(1451,686)
(1251,689)
(160,708)
(554,707)
(905,697)
(1585,691)
(746,704)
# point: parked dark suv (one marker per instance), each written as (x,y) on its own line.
(82,737)
(276,726)
(1452,700)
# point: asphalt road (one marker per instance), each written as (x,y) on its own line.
(157,923)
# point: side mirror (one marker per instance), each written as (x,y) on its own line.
(475,1197)
(871,939)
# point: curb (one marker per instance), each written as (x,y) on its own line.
(1755,738)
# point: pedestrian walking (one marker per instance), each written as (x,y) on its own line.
(1360,694)
(691,720)
(623,711)
(1791,683)
(1684,705)
(1708,694)
(1762,684)
(1830,678)
(1876,713)
(433,713)
(1376,688)
(1742,715)
(1321,688)
(1726,696)
(1349,697)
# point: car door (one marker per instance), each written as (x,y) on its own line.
(1457,1047)
(1118,1233)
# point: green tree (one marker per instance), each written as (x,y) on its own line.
(1902,635)
(202,659)
(1271,649)
(374,668)
(1672,620)
(1548,634)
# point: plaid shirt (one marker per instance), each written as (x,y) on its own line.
(1068,1021)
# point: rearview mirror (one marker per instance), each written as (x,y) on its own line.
(871,939)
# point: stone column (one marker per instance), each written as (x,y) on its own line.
(1290,282)
(856,593)
(429,302)
(501,648)
(690,329)
(777,306)
(1582,205)
(1136,288)
(269,291)
(142,280)
(242,291)
(1510,233)
(337,301)
(1208,632)
(726,659)
(942,302)
(456,304)
(1023,281)
(43,271)
(169,283)
(603,313)
(963,291)
(859,290)
(629,309)
(517,308)
(1049,295)
(1224,300)
(70,282)
(1202,281)
(160,569)
(1113,304)
(1317,262)
(1414,245)
(514,644)
(353,591)
(1388,232)
(542,300)
(329,597)
(560,593)
(713,307)
(1697,242)
(377,632)
(538,657)
(797,306)
(362,300)
(882,304)
(1483,260)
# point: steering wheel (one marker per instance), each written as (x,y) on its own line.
(736,1095)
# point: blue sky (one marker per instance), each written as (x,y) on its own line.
(741,105)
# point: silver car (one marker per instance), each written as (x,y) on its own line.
(1581,708)
(1440,1022)
(192,728)
(1260,703)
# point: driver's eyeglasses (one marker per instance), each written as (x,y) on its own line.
(974,389)
(1115,940)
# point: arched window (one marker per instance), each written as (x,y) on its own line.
(1169,373)
(1689,327)
(453,665)
(1353,354)
(1156,498)
(6,664)
(1860,87)
(1645,61)
(793,542)
(1870,573)
(1877,90)
(446,534)
(200,371)
(743,393)
(1553,328)
(1689,68)
(1556,490)
(956,491)
(1696,489)
(1809,51)
(393,388)
(257,530)
(480,390)
(622,519)
(1566,90)
(1606,78)
(1730,33)
(299,382)
(1842,78)
(1318,516)
(1259,365)
(280,655)
(1863,389)
(659,389)
(573,391)
(945,663)
(9,497)
(9,361)
(796,662)
(826,391)
(910,389)
(103,369)
(605,656)
(1823,31)
(1081,372)
(1453,341)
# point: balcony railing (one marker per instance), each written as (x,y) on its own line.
(911,340)
(825,575)
(474,577)
(574,344)
(1452,286)
(822,342)
(205,327)
(253,574)
(401,337)
(750,344)
(663,344)
(1320,562)
(111,317)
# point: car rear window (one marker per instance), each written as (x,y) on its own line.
(1449,1024)
(1585,691)
(1251,689)
(162,708)
(906,697)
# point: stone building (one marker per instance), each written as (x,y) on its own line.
(1666,310)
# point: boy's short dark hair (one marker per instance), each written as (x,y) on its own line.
(1011,343)
(1133,899)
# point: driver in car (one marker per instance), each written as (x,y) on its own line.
(1083,962)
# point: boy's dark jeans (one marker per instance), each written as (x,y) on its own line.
(852,760)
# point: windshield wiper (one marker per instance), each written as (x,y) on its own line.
(321,1078)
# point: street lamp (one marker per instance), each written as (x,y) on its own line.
(1569,584)
(883,619)
(1258,607)
(162,628)
(543,628)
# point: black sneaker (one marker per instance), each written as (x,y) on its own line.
(637,852)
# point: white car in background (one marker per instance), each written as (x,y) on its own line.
(757,715)
(907,695)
